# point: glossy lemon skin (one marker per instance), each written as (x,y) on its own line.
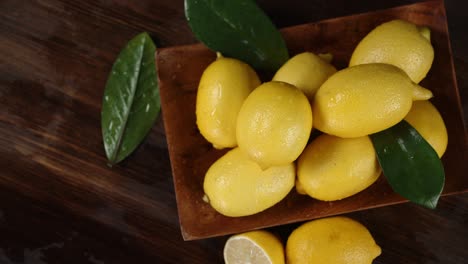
(306,71)
(274,124)
(337,240)
(364,99)
(237,186)
(257,246)
(426,119)
(223,87)
(399,43)
(333,168)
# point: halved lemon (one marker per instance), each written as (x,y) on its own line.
(254,247)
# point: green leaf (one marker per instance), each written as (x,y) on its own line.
(410,164)
(131,101)
(238,29)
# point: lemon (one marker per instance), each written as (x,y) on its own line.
(364,99)
(274,124)
(399,43)
(255,247)
(223,87)
(237,186)
(337,240)
(425,118)
(333,168)
(306,71)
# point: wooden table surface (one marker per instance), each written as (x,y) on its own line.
(60,203)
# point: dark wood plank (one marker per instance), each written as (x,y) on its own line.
(60,203)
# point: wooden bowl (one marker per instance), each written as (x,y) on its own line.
(180,69)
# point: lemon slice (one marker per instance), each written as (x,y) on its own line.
(255,247)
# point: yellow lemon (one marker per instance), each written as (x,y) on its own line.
(337,240)
(399,43)
(425,118)
(364,99)
(274,124)
(333,168)
(255,247)
(306,71)
(223,87)
(237,186)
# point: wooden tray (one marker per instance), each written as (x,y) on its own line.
(191,155)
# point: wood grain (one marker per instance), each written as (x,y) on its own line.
(60,202)
(180,69)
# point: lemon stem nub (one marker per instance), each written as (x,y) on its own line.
(206,199)
(328,57)
(421,93)
(425,32)
(219,55)
(300,188)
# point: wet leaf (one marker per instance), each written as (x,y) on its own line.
(410,164)
(238,29)
(131,101)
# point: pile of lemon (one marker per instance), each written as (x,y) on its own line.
(269,125)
